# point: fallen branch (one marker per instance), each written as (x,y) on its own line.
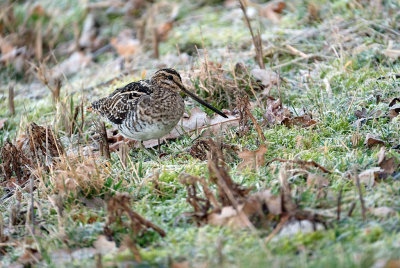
(282,222)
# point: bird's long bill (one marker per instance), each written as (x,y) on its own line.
(193,96)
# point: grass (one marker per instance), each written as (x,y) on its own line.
(155,189)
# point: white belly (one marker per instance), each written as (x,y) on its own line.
(148,132)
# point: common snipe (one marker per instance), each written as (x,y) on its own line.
(147,109)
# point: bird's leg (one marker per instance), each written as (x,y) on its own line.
(159,147)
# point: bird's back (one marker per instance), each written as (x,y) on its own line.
(118,104)
(142,111)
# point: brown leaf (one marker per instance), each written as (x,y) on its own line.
(394,263)
(361,113)
(183,264)
(275,112)
(30,256)
(252,159)
(2,121)
(273,202)
(273,10)
(227,217)
(125,44)
(164,29)
(371,140)
(388,164)
(368,177)
(301,121)
(267,78)
(313,12)
(394,110)
(38,10)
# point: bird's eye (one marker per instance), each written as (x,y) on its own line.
(170,77)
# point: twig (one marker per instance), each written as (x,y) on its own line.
(282,222)
(339,202)
(300,162)
(32,207)
(352,206)
(104,141)
(256,39)
(294,61)
(360,194)
(256,125)
(295,51)
(11,99)
(135,216)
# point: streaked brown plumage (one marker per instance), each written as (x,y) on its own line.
(147,109)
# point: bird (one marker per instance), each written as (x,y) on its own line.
(147,109)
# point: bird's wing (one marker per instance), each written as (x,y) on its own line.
(118,104)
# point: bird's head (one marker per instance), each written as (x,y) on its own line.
(170,79)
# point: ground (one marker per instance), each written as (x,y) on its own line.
(337,63)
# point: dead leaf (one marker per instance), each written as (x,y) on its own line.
(125,44)
(164,29)
(272,11)
(394,263)
(301,121)
(273,202)
(371,140)
(219,124)
(38,10)
(267,78)
(383,212)
(394,111)
(313,12)
(227,217)
(30,256)
(252,159)
(361,113)
(104,246)
(368,177)
(183,264)
(275,112)
(2,122)
(388,164)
